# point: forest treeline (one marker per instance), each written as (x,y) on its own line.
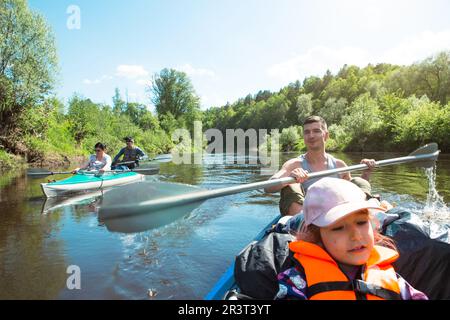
(381,107)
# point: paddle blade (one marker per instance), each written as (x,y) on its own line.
(162,158)
(131,200)
(37,173)
(143,222)
(54,203)
(147,171)
(430,151)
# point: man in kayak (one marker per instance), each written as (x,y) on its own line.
(99,161)
(315,135)
(131,154)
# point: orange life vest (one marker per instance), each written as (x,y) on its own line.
(326,281)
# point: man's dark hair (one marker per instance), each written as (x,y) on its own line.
(313,119)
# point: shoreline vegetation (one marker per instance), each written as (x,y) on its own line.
(377,108)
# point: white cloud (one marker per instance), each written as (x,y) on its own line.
(318,59)
(97,81)
(131,71)
(89,82)
(418,47)
(212,100)
(191,71)
(144,82)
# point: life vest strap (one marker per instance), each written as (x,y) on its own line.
(358,286)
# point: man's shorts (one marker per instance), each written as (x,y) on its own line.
(290,194)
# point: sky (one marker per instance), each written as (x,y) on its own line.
(230,48)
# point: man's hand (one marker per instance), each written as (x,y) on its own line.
(299,174)
(371,164)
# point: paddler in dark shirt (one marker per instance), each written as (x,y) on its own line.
(131,154)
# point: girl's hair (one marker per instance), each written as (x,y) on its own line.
(100,146)
(312,234)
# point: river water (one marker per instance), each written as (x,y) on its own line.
(181,260)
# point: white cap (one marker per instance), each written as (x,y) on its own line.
(331,199)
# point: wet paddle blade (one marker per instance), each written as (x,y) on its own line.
(133,199)
(431,148)
(143,222)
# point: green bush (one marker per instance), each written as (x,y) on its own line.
(289,139)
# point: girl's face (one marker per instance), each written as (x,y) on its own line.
(349,240)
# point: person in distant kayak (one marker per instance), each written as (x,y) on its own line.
(131,154)
(99,161)
(339,254)
(315,135)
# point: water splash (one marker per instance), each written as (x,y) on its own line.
(435,207)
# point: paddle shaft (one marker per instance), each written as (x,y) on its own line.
(143,160)
(178,200)
(49,173)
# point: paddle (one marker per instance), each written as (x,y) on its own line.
(40,173)
(159,158)
(424,156)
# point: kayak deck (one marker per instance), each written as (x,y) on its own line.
(86,181)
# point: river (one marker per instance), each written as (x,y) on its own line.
(181,260)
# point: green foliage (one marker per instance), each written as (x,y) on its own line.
(362,120)
(290,138)
(339,138)
(172,92)
(304,107)
(425,122)
(430,77)
(8,161)
(28,61)
(81,113)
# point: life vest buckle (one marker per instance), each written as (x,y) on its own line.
(360,286)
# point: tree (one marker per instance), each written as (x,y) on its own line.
(82,117)
(172,92)
(289,138)
(363,120)
(333,110)
(28,61)
(118,104)
(304,107)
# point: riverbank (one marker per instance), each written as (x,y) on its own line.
(10,161)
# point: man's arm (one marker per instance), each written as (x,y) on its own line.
(141,153)
(285,171)
(118,155)
(344,175)
(365,174)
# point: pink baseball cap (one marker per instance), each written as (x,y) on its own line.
(331,199)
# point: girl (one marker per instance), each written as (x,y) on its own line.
(339,254)
(99,161)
